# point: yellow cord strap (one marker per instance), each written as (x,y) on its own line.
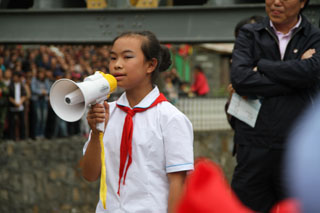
(103,184)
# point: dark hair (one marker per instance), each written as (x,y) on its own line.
(305,5)
(250,20)
(198,67)
(151,48)
(15,73)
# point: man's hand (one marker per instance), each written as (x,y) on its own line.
(230,89)
(308,54)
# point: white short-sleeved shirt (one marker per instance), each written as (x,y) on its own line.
(162,142)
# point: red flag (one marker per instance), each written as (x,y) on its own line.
(207,191)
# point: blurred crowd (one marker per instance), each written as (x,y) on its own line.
(27,74)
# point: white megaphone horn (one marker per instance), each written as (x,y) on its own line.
(69,99)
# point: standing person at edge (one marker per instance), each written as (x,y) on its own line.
(200,85)
(161,151)
(278,61)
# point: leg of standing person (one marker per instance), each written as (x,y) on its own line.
(12,125)
(72,128)
(255,176)
(60,128)
(6,133)
(55,130)
(26,118)
(50,123)
(278,178)
(22,129)
(32,120)
(40,121)
(44,115)
(77,128)
(38,118)
(63,128)
(2,120)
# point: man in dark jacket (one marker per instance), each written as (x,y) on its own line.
(17,97)
(278,62)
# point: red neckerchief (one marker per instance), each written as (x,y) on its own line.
(126,140)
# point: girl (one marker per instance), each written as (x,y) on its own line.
(148,142)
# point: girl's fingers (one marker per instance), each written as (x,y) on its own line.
(97,108)
(96,115)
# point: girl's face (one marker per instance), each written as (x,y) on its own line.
(128,64)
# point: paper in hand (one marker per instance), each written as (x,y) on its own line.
(244,110)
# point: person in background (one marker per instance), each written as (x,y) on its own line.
(250,20)
(27,78)
(17,97)
(171,90)
(231,119)
(7,77)
(4,92)
(2,66)
(32,115)
(200,85)
(40,94)
(84,126)
(175,78)
(59,126)
(74,127)
(50,122)
(278,62)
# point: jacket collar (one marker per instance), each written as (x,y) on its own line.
(265,23)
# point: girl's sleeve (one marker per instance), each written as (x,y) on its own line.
(178,143)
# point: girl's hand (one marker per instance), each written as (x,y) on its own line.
(97,114)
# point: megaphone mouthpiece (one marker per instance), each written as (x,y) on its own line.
(67,100)
(74,97)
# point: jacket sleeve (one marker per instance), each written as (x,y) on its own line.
(294,73)
(244,79)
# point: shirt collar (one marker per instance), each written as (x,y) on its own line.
(144,103)
(294,27)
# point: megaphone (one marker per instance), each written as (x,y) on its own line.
(69,99)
